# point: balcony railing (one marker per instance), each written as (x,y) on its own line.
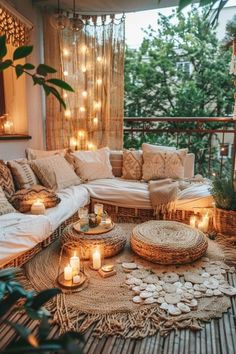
(211,139)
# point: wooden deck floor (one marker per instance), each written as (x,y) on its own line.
(217,337)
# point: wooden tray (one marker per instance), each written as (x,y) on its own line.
(100,229)
(68,284)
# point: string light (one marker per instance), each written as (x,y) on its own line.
(99,81)
(97,105)
(83,48)
(65,95)
(91,146)
(66,52)
(82,109)
(81,134)
(65,73)
(99,59)
(213,174)
(83,69)
(95,121)
(67,113)
(73,142)
(84,93)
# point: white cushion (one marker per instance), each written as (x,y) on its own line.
(93,164)
(72,199)
(132,194)
(21,232)
(153,148)
(33,154)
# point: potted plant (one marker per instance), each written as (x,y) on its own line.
(224,195)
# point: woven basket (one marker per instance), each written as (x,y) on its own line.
(225,221)
(168,242)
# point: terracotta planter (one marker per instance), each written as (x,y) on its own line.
(225,221)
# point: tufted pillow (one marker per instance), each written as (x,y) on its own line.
(23,174)
(55,172)
(90,165)
(6,180)
(132,164)
(164,164)
(5,206)
(33,154)
(23,199)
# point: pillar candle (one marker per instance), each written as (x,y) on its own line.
(75,262)
(97,260)
(68,272)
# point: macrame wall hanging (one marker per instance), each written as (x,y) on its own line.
(16,28)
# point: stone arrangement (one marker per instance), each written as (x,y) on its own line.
(178,292)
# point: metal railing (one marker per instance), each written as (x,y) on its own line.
(211,139)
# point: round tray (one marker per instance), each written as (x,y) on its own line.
(100,229)
(68,284)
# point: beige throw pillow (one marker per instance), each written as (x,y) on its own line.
(164,164)
(90,165)
(132,164)
(23,174)
(55,172)
(153,148)
(5,206)
(33,154)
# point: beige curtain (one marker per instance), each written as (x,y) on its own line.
(92,62)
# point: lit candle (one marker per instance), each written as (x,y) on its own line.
(97,260)
(192,221)
(76,279)
(75,263)
(98,208)
(204,223)
(7,127)
(38,208)
(68,272)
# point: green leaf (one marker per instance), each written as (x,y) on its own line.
(3,47)
(5,64)
(44,328)
(62,84)
(55,93)
(28,66)
(183,4)
(9,272)
(47,89)
(43,297)
(44,69)
(22,52)
(38,80)
(19,70)
(8,302)
(2,289)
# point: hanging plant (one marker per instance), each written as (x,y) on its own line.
(38,74)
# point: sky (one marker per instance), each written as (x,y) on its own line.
(135,21)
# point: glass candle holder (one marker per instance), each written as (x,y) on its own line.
(98,209)
(93,220)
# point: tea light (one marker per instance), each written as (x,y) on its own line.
(38,208)
(68,273)
(76,279)
(108,267)
(75,263)
(97,262)
(98,209)
(193,220)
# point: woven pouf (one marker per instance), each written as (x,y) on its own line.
(168,242)
(112,242)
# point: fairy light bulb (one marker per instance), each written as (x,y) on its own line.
(83,69)
(65,95)
(99,81)
(82,109)
(97,105)
(66,52)
(95,121)
(99,59)
(84,94)
(65,72)
(81,134)
(83,48)
(91,146)
(67,113)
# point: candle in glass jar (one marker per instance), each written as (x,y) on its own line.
(98,209)
(193,220)
(7,127)
(68,272)
(204,223)
(97,262)
(38,208)
(75,263)
(76,279)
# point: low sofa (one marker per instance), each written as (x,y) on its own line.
(23,235)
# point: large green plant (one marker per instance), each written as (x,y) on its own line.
(13,296)
(38,74)
(223,193)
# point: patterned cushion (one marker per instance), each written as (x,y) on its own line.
(55,172)
(132,164)
(5,206)
(6,180)
(33,154)
(164,164)
(23,174)
(24,198)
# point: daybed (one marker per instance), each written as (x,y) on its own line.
(23,235)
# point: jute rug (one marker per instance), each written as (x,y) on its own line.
(107,303)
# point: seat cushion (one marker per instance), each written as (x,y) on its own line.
(20,232)
(135,194)
(72,199)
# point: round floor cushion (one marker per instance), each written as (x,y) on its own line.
(168,242)
(112,242)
